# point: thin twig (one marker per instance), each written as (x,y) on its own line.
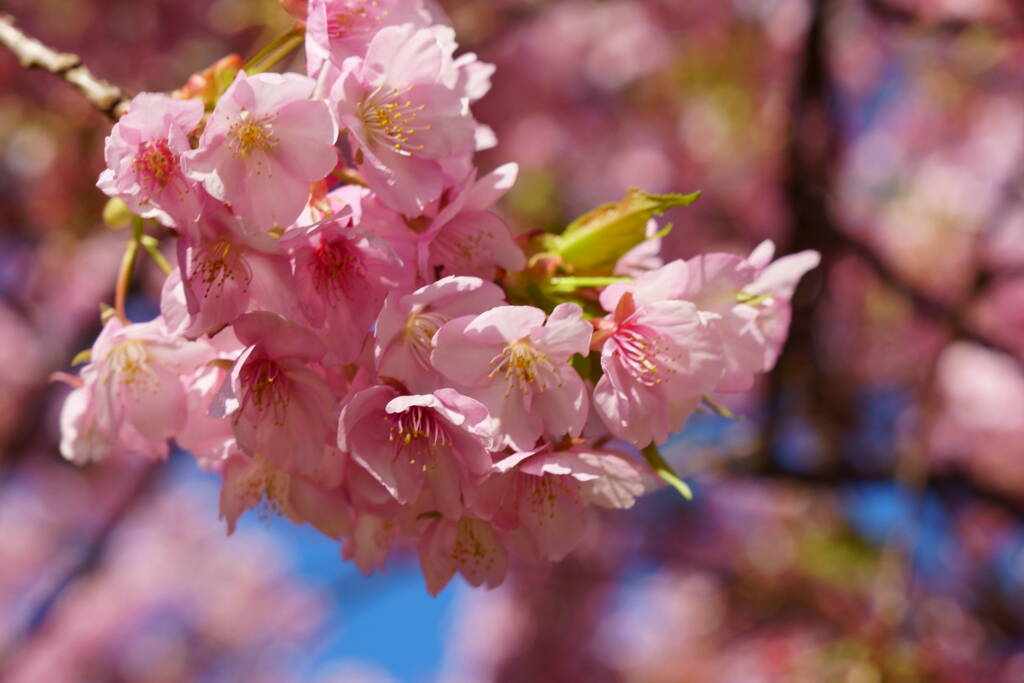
(105,96)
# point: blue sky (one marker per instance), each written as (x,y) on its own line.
(387,620)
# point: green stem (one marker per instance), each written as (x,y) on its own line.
(124,277)
(580,282)
(718,407)
(268,48)
(152,246)
(665,471)
(275,55)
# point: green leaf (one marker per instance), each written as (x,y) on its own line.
(598,239)
(665,471)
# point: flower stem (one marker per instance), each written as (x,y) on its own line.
(278,49)
(124,277)
(124,273)
(152,246)
(665,471)
(580,282)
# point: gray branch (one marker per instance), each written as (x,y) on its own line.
(105,96)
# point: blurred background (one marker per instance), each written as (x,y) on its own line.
(863,521)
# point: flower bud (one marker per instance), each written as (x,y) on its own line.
(297,8)
(116,214)
(210,83)
(595,241)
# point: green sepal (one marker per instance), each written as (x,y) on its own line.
(83,356)
(106,312)
(598,239)
(751,299)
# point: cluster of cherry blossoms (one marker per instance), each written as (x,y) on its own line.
(352,337)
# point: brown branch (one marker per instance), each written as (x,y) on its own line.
(952,483)
(947,26)
(105,96)
(812,160)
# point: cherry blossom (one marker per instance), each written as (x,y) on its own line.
(407,324)
(408,442)
(263,145)
(341,276)
(404,115)
(468,546)
(338,29)
(353,338)
(132,397)
(465,238)
(281,408)
(517,364)
(658,360)
(540,496)
(144,153)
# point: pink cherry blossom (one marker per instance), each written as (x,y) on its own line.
(341,276)
(465,238)
(249,481)
(133,398)
(716,284)
(540,497)
(644,257)
(370,541)
(224,272)
(262,146)
(468,546)
(751,297)
(404,114)
(439,441)
(210,440)
(335,342)
(404,333)
(733,295)
(143,153)
(775,283)
(84,440)
(338,29)
(658,360)
(517,365)
(381,220)
(282,410)
(368,214)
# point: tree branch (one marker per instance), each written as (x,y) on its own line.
(952,483)
(924,303)
(948,26)
(105,96)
